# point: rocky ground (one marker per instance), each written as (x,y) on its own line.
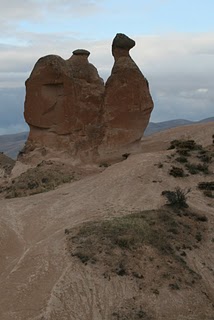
(106,245)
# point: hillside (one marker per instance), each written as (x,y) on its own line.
(11,144)
(154,127)
(74,252)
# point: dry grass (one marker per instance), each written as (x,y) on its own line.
(119,245)
(45,177)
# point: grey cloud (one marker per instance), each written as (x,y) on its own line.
(13,12)
(188,98)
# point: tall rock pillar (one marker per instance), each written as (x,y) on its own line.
(127,101)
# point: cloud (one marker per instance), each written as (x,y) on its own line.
(36,10)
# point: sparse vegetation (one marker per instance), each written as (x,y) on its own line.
(174,286)
(177,198)
(197,168)
(188,148)
(207,188)
(198,236)
(184,144)
(183,152)
(206,185)
(205,158)
(160,165)
(177,172)
(45,177)
(181,159)
(119,244)
(134,313)
(6,163)
(104,165)
(125,155)
(208,193)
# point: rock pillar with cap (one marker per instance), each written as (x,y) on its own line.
(127,102)
(68,107)
(63,104)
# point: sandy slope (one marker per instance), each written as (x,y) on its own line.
(40,280)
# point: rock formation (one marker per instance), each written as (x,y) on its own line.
(63,105)
(127,102)
(68,107)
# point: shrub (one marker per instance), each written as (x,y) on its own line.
(174,286)
(184,144)
(206,185)
(196,168)
(201,218)
(183,152)
(176,172)
(181,159)
(208,193)
(205,158)
(198,236)
(125,155)
(104,165)
(176,198)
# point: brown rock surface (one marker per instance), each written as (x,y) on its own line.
(63,103)
(68,108)
(128,103)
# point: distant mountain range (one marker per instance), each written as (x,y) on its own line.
(11,144)
(154,127)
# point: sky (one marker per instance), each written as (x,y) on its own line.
(174,49)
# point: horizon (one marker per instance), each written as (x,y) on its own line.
(170,120)
(174,49)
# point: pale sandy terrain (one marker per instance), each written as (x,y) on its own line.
(40,280)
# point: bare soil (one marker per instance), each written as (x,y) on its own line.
(53,267)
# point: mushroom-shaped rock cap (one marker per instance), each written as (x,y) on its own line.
(123,42)
(81,52)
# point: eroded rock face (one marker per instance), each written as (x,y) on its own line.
(127,102)
(68,107)
(63,105)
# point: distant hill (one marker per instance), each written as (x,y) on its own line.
(154,127)
(11,144)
